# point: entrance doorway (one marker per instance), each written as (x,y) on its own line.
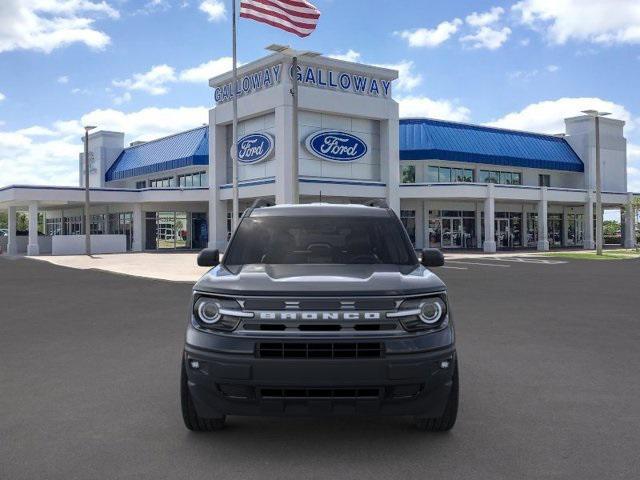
(452,233)
(504,238)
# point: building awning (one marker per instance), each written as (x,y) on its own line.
(183,149)
(427,139)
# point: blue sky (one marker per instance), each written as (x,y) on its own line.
(141,66)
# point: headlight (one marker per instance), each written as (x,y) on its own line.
(431,311)
(216,313)
(424,313)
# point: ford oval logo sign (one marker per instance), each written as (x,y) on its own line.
(255,147)
(336,146)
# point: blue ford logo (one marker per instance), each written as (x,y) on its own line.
(255,147)
(336,146)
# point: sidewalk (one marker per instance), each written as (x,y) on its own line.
(175,267)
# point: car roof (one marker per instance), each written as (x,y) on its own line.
(320,209)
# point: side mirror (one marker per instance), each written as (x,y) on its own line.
(432,257)
(209,257)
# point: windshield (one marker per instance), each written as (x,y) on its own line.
(320,240)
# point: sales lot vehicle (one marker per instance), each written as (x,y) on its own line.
(320,309)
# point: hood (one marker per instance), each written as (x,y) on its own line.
(321,280)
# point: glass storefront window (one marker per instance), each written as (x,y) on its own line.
(408,219)
(504,178)
(575,229)
(408,174)
(433,174)
(554,229)
(452,229)
(176,230)
(532,229)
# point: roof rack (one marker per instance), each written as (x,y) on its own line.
(378,202)
(258,203)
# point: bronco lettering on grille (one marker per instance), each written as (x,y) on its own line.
(319,315)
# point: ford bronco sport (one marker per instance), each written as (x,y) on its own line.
(319,309)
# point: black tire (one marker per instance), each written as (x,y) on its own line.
(192,420)
(448,418)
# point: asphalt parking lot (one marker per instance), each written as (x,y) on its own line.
(550,370)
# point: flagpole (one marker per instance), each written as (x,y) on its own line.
(294,133)
(234,148)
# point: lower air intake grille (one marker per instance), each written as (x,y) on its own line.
(320,350)
(321,392)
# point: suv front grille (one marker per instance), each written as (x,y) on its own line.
(320,304)
(286,350)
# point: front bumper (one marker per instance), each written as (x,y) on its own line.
(407,379)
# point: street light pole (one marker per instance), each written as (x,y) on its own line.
(87,217)
(599,237)
(598,191)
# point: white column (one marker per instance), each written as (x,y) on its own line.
(12,246)
(589,242)
(32,246)
(284,155)
(478,225)
(390,159)
(489,245)
(629,224)
(543,240)
(217,176)
(138,219)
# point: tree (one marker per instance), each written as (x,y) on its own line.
(3,220)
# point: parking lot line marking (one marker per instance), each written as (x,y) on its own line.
(530,260)
(478,263)
(457,268)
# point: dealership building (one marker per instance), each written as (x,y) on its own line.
(454,185)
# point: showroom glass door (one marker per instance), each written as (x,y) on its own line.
(504,239)
(451,232)
(166,230)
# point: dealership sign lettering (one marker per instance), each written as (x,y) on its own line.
(308,76)
(248,84)
(255,148)
(342,81)
(336,146)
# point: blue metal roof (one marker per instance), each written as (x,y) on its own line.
(176,151)
(427,139)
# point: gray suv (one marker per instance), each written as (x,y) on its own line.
(319,309)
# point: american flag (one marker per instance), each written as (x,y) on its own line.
(294,16)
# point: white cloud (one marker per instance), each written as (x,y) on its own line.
(2,96)
(548,116)
(526,75)
(486,18)
(424,37)
(407,78)
(154,81)
(525,42)
(203,72)
(349,56)
(48,155)
(420,106)
(487,37)
(214,9)
(63,79)
(45,25)
(595,21)
(120,99)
